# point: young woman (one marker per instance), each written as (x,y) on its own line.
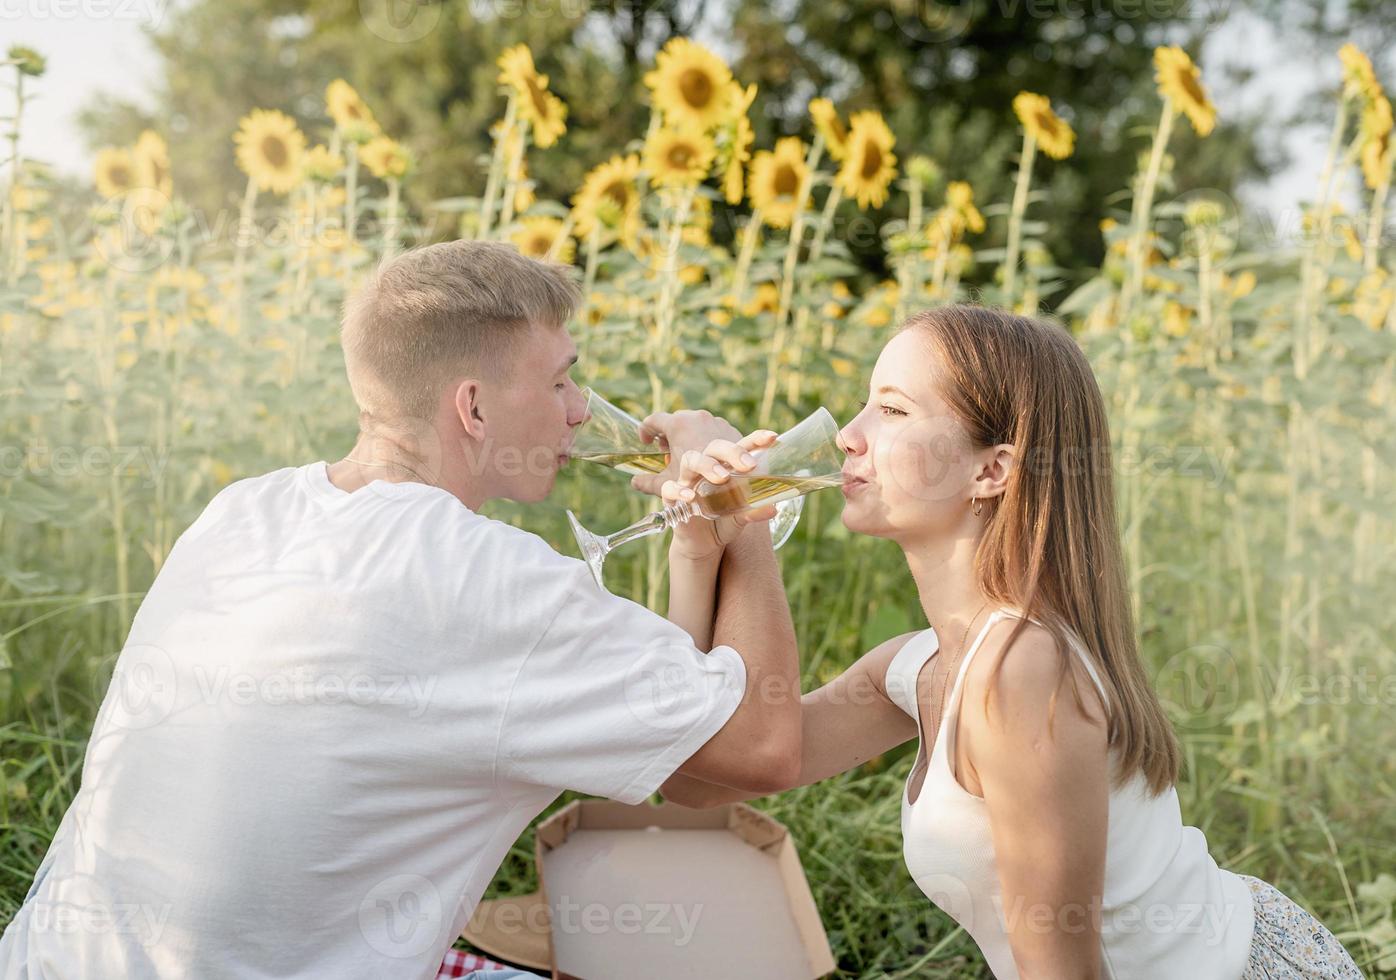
(1041,812)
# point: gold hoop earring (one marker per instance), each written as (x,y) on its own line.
(978,505)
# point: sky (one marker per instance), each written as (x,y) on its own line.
(94,46)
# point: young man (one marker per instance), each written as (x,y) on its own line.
(347,693)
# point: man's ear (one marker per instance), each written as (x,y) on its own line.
(469,409)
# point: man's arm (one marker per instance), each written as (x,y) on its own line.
(759,749)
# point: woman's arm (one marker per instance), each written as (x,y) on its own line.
(1047,794)
(844,724)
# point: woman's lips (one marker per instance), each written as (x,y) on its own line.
(852,484)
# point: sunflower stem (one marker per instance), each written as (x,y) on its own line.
(1311,270)
(511,184)
(13,247)
(390,223)
(749,237)
(1371,254)
(511,110)
(588,284)
(1142,210)
(908,268)
(244,238)
(351,209)
(1015,217)
(787,278)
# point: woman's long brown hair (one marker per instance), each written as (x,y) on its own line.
(1051,545)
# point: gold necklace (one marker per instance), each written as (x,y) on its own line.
(950,667)
(364,462)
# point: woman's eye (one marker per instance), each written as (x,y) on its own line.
(889,410)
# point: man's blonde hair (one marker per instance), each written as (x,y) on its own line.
(437,311)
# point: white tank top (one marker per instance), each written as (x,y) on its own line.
(1168,911)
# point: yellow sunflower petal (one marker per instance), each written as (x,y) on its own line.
(870,165)
(538,236)
(1052,134)
(828,124)
(269,149)
(543,110)
(611,187)
(152,159)
(350,113)
(385,157)
(1359,79)
(775,179)
(1179,81)
(691,85)
(736,150)
(678,157)
(114,172)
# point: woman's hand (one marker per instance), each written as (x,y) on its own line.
(700,539)
(705,442)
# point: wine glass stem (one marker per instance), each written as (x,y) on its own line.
(660,520)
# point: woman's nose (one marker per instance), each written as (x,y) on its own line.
(848,440)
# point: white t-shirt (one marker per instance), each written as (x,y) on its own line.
(334,714)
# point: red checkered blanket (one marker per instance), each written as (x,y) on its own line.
(458,963)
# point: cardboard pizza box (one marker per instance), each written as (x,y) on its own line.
(638,892)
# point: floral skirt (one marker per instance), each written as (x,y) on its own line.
(1290,944)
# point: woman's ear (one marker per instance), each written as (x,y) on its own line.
(999,468)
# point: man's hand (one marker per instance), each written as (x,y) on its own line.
(701,447)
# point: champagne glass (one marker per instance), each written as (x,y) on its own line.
(804,459)
(611,436)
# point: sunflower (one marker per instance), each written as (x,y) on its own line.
(678,157)
(1049,130)
(614,185)
(1376,141)
(319,164)
(959,213)
(269,149)
(870,165)
(537,236)
(1358,77)
(775,180)
(351,116)
(385,157)
(1179,82)
(152,159)
(736,150)
(828,124)
(114,172)
(691,85)
(543,110)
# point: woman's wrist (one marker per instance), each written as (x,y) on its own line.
(699,563)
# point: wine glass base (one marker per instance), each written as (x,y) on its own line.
(787,516)
(593,547)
